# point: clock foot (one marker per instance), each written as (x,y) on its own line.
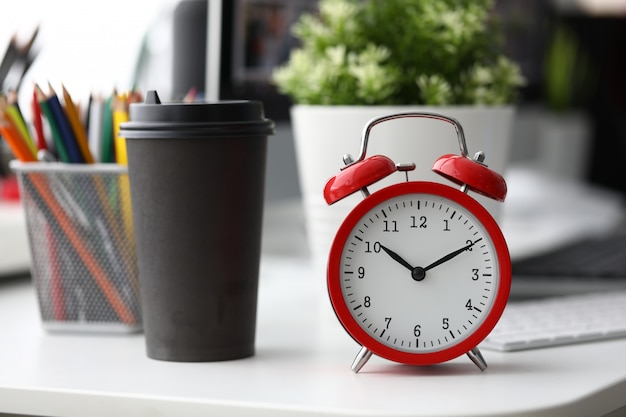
(361,359)
(477,358)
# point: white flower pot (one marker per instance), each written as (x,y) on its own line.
(323,134)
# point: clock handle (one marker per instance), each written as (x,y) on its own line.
(477,358)
(425,115)
(361,359)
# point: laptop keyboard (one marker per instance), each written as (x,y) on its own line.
(578,294)
(595,259)
(558,321)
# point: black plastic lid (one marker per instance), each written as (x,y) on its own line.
(155,120)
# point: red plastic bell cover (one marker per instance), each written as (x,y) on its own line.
(359,175)
(478,177)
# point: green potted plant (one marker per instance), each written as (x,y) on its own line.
(399,52)
(360,59)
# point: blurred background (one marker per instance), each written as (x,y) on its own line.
(571,120)
(572,53)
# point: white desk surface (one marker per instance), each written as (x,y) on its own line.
(301,368)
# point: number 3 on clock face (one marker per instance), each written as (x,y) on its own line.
(419,273)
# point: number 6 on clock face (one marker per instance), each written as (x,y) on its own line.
(419,273)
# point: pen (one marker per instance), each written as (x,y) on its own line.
(95,127)
(16,61)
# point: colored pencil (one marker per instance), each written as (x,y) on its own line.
(65,128)
(77,127)
(38,122)
(16,143)
(59,143)
(107,131)
(56,281)
(120,115)
(90,262)
(15,114)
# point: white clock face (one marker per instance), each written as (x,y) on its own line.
(419,273)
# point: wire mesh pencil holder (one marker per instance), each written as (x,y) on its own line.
(83,260)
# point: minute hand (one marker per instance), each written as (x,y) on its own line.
(450,255)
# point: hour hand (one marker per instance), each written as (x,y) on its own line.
(397,258)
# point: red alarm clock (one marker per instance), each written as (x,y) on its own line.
(419,272)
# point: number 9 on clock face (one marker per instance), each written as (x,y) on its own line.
(419,273)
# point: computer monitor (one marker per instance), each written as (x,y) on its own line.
(245,40)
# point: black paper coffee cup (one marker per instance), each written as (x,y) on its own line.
(197,174)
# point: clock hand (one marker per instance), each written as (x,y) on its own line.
(397,258)
(450,255)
